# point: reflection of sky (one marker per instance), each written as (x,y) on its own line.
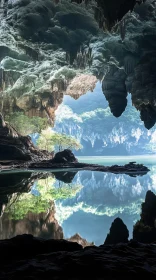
(104,197)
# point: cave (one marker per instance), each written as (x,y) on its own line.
(77,139)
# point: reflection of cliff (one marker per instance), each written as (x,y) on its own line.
(103,198)
(41,225)
(77,238)
(111,190)
(15,182)
(105,195)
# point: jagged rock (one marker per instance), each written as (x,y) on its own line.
(145,229)
(65,156)
(77,238)
(118,233)
(31,258)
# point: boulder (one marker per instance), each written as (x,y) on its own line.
(64,156)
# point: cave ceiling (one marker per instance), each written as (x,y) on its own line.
(50,48)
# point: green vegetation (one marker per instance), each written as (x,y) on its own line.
(50,140)
(26,125)
(22,204)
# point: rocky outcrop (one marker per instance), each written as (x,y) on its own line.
(145,229)
(65,156)
(118,233)
(14,146)
(130,169)
(36,258)
(83,242)
(27,246)
(14,183)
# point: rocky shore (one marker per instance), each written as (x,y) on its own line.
(131,169)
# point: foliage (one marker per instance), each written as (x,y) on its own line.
(50,140)
(46,192)
(26,125)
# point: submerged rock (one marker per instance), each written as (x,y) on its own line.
(118,233)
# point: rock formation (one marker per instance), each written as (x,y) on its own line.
(83,242)
(118,233)
(145,229)
(41,48)
(65,156)
(114,89)
(15,147)
(35,258)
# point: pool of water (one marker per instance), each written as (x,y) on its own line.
(63,203)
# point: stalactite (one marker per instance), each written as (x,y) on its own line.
(123,29)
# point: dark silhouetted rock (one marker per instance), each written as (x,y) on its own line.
(32,258)
(118,233)
(145,229)
(26,246)
(65,156)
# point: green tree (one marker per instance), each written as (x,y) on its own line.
(51,140)
(21,204)
(26,125)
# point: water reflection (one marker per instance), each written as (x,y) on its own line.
(61,204)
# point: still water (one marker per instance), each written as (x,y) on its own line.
(59,204)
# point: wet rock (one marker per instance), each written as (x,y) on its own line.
(118,233)
(65,156)
(114,89)
(145,229)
